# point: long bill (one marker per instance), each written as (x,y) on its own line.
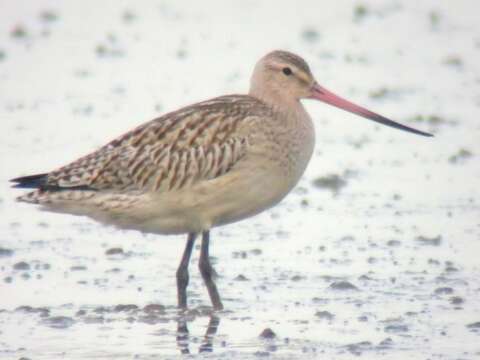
(322,94)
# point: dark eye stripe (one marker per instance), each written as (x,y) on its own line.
(287,71)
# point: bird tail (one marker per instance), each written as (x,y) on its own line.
(30,182)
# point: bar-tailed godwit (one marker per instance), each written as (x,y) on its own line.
(205,165)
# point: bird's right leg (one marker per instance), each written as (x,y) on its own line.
(182,272)
(207,272)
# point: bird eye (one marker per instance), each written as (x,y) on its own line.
(287,71)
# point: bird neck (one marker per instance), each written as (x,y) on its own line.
(278,100)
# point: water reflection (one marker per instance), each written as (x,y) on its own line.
(183,339)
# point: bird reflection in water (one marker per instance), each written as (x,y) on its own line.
(183,338)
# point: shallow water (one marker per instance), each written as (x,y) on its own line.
(373,255)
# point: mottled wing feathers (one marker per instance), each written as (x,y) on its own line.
(197,142)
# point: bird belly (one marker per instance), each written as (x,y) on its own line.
(237,195)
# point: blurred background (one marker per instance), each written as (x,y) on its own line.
(374,254)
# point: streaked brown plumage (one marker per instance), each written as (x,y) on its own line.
(205,165)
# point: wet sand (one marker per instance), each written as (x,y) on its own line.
(374,255)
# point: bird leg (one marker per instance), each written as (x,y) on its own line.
(207,344)
(182,335)
(207,272)
(182,272)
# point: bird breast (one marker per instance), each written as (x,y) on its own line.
(285,143)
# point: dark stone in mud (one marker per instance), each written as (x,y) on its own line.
(22,265)
(25,308)
(267,334)
(261,353)
(451,269)
(128,307)
(318,300)
(433,241)
(460,156)
(239,254)
(297,278)
(385,343)
(94,320)
(114,251)
(80,313)
(394,243)
(256,251)
(42,266)
(154,309)
(5,252)
(443,291)
(456,300)
(343,285)
(78,268)
(357,348)
(44,312)
(49,16)
(324,315)
(331,182)
(26,276)
(19,32)
(152,319)
(347,238)
(310,35)
(396,328)
(101,310)
(474,326)
(59,322)
(365,278)
(241,277)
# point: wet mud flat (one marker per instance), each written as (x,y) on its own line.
(374,255)
(335,296)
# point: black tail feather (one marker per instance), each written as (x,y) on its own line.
(30,182)
(39,181)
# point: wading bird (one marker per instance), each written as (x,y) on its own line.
(205,165)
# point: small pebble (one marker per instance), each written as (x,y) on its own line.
(22,265)
(475,325)
(241,277)
(267,334)
(78,268)
(386,343)
(396,328)
(343,285)
(128,307)
(5,252)
(433,241)
(456,300)
(59,322)
(154,309)
(443,291)
(114,251)
(331,182)
(324,315)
